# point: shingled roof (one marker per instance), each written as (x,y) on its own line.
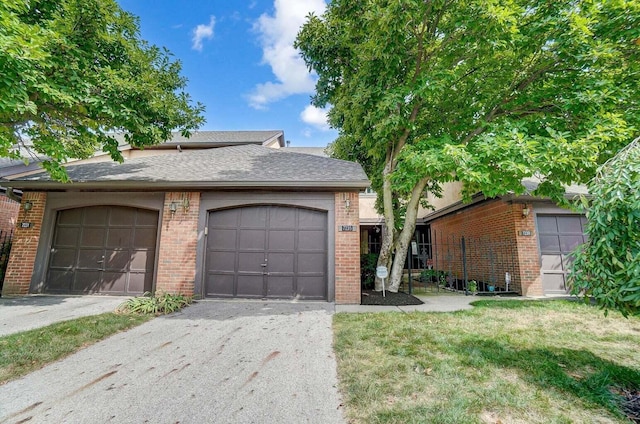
(204,139)
(244,166)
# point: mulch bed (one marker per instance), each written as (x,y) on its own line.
(371,297)
(630,403)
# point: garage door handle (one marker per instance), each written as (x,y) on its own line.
(263,265)
(101,260)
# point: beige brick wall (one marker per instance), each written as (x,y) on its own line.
(178,238)
(347,254)
(25,244)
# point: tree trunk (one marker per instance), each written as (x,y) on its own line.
(386,250)
(405,237)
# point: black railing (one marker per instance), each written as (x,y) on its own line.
(456,262)
(5,250)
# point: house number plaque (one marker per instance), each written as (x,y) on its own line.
(25,225)
(350,228)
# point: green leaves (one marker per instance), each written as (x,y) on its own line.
(607,267)
(74,72)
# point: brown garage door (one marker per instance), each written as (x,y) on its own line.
(558,236)
(103,249)
(267,252)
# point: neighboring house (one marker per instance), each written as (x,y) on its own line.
(516,243)
(221,214)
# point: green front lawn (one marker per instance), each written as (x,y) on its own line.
(22,353)
(513,361)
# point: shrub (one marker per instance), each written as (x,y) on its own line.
(368,264)
(148,304)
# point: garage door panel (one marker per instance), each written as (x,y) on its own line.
(96,215)
(113,282)
(63,258)
(551,262)
(311,240)
(250,285)
(547,224)
(312,220)
(569,243)
(70,217)
(67,236)
(223,238)
(252,239)
(90,259)
(220,285)
(282,218)
(109,252)
(87,281)
(119,237)
(282,240)
(278,234)
(311,262)
(221,261)
(570,224)
(281,262)
(93,237)
(280,286)
(255,217)
(117,260)
(144,237)
(312,287)
(251,262)
(142,260)
(549,243)
(553,283)
(60,281)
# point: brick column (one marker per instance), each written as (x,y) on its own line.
(178,243)
(347,253)
(528,255)
(25,245)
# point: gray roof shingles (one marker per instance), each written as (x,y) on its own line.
(241,165)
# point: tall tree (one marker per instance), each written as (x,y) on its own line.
(484,92)
(73,72)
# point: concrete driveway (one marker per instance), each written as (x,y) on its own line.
(215,362)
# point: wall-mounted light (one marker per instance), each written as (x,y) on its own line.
(173,207)
(347,205)
(185,204)
(27,206)
(525,211)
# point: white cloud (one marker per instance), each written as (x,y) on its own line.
(315,117)
(202,32)
(277,34)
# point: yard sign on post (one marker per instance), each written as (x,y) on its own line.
(381,273)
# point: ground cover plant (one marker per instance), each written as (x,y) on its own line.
(24,352)
(505,361)
(158,304)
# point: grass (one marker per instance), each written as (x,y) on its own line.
(24,352)
(505,361)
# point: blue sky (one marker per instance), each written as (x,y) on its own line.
(239,59)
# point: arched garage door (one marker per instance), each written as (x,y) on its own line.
(267,252)
(103,249)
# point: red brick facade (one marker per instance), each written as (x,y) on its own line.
(178,239)
(8,214)
(347,253)
(501,223)
(25,244)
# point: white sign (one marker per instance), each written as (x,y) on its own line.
(381,272)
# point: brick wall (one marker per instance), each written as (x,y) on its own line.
(347,254)
(25,244)
(178,238)
(8,214)
(497,224)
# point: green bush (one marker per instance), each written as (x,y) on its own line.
(433,276)
(607,267)
(368,264)
(160,304)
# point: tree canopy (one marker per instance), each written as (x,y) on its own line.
(482,92)
(74,72)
